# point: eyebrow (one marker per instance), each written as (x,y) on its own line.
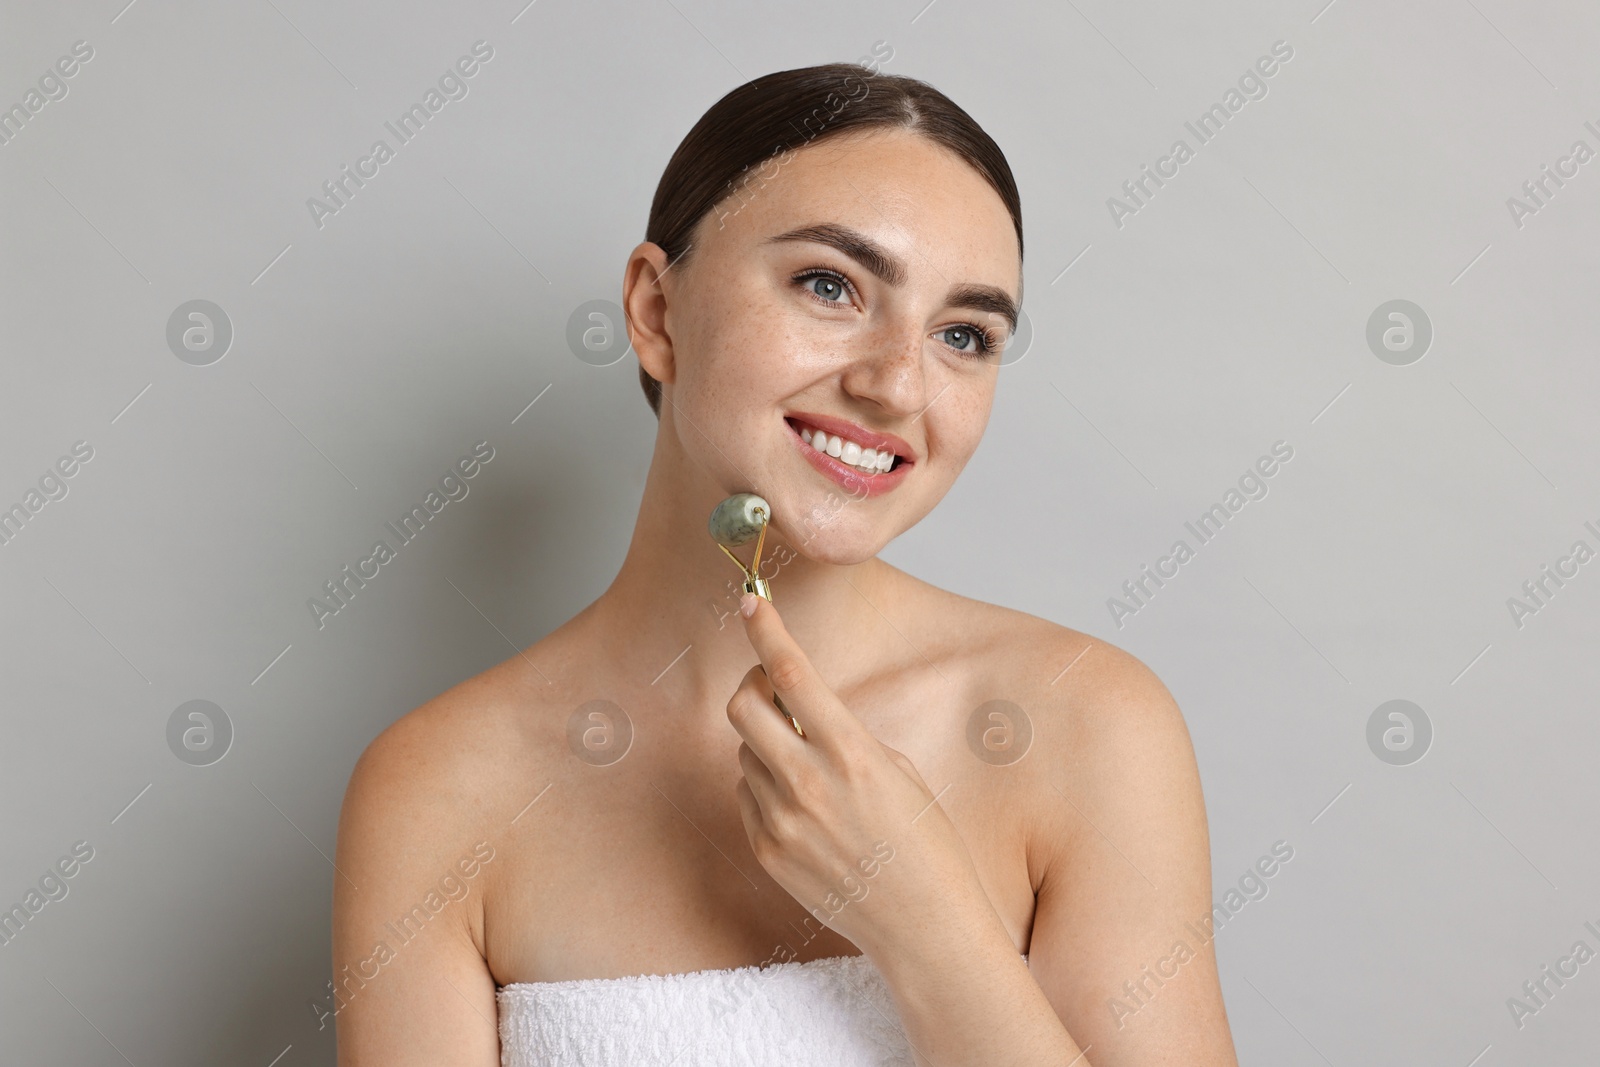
(878,260)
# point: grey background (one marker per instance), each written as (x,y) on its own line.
(369,354)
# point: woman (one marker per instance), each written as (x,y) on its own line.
(985,843)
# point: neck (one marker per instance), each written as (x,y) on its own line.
(671,620)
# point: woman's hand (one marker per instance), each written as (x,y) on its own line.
(842,821)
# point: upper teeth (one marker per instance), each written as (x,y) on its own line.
(866,460)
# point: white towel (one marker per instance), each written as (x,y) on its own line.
(831,1012)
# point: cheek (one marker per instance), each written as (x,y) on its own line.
(712,349)
(962,417)
(734,365)
(749,345)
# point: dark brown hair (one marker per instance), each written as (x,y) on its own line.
(790,109)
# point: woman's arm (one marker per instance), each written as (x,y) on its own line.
(1116,954)
(964,996)
(813,807)
(410,984)
(1112,799)
(1120,938)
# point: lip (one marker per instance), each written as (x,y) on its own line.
(859,485)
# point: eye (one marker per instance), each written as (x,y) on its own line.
(970,340)
(827,288)
(826,285)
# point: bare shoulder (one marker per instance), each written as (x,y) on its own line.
(447,751)
(416,798)
(1107,742)
(1089,688)
(419,834)
(1116,836)
(434,783)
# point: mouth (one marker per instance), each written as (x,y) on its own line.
(865,463)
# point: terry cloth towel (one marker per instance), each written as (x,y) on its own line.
(830,1012)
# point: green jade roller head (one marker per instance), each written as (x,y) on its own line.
(738,520)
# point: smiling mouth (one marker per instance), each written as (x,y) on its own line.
(869,462)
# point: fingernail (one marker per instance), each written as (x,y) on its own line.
(747,604)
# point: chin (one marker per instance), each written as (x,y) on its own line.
(820,550)
(836,546)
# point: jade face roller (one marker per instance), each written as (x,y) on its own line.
(736,521)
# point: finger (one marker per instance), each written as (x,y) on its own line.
(759,722)
(794,679)
(901,760)
(749,809)
(783,708)
(760,777)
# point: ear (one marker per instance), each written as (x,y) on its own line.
(644,303)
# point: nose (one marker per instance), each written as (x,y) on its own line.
(890,372)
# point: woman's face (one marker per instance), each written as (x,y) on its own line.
(867,284)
